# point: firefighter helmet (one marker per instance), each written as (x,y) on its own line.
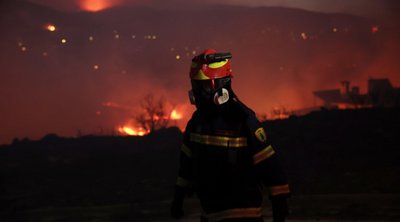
(211,65)
(210,74)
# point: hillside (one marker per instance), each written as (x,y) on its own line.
(336,153)
(281,55)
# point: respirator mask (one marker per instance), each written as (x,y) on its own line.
(210,92)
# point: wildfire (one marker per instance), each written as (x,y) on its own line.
(97,5)
(175,115)
(353,106)
(280,112)
(132,131)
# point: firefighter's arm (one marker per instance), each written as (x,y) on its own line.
(183,182)
(268,169)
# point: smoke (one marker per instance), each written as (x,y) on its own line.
(95,81)
(358,7)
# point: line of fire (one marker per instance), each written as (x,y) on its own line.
(380,93)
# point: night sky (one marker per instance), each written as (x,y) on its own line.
(360,7)
(79,67)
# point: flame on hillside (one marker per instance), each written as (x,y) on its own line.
(132,131)
(97,5)
(175,115)
(130,128)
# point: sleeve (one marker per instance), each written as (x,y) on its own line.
(184,179)
(265,159)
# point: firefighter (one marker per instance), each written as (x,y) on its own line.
(226,157)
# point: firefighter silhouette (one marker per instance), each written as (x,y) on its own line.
(226,157)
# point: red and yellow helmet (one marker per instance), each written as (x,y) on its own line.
(211,65)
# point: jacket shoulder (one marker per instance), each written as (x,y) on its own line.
(251,120)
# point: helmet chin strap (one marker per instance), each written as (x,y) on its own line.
(221,97)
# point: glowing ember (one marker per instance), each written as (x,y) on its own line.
(96,5)
(304,36)
(375,29)
(175,115)
(50,27)
(132,131)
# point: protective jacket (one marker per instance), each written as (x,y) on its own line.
(226,158)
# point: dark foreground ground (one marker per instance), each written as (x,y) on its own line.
(338,207)
(342,166)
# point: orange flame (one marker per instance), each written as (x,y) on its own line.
(96,5)
(175,115)
(132,131)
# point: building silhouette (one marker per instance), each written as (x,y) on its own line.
(380,93)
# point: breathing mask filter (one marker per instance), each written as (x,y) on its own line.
(214,91)
(220,97)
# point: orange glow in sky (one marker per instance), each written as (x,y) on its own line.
(97,5)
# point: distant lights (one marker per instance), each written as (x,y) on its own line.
(374,29)
(116,34)
(63,40)
(91,38)
(22,47)
(177,57)
(96,67)
(304,36)
(150,37)
(51,28)
(334,29)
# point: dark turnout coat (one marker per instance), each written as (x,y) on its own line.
(227,158)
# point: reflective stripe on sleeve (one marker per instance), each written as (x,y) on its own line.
(182,182)
(263,154)
(282,189)
(236,142)
(234,213)
(186,150)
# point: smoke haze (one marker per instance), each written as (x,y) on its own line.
(90,74)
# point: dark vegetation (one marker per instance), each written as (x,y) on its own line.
(341,151)
(348,155)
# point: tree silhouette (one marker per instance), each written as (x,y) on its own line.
(155,114)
